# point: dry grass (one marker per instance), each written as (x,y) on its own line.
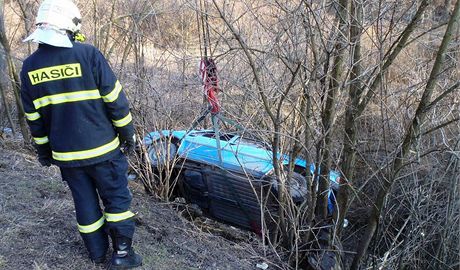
(39,231)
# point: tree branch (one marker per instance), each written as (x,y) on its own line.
(443,95)
(251,63)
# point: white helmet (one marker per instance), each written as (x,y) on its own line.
(54,18)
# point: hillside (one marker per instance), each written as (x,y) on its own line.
(369,89)
(39,230)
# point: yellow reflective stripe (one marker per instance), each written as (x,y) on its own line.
(32,116)
(123,122)
(118,217)
(54,73)
(112,96)
(66,97)
(87,154)
(41,140)
(91,227)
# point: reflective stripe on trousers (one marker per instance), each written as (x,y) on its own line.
(92,227)
(107,180)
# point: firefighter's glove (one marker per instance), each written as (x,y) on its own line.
(44,154)
(44,161)
(129,145)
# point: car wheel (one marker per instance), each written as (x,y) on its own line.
(298,191)
(162,151)
(297,187)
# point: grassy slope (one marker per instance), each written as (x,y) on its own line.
(38,227)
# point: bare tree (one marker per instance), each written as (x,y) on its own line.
(345,85)
(412,134)
(13,76)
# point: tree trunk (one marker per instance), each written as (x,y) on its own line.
(7,108)
(349,140)
(13,74)
(16,85)
(328,113)
(26,7)
(412,134)
(357,101)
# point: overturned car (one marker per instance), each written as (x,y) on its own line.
(230,178)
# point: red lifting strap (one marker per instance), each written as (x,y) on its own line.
(208,72)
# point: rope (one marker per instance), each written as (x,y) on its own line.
(208,72)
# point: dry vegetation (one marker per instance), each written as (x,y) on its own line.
(39,231)
(369,88)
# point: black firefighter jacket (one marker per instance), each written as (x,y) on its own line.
(74,105)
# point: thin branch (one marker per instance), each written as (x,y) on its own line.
(443,95)
(441,126)
(251,63)
(400,44)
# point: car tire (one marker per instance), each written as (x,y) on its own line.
(297,187)
(162,152)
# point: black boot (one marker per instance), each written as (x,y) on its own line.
(124,256)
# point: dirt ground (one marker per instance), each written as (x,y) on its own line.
(38,227)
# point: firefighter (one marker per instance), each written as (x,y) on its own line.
(79,118)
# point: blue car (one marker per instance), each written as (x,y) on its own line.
(230,182)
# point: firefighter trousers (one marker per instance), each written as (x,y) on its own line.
(106,180)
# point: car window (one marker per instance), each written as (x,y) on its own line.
(223,136)
(251,142)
